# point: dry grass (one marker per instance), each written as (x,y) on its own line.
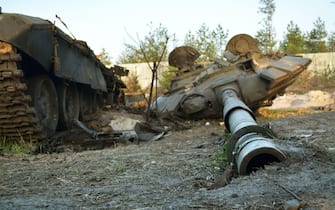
(308,81)
(265,114)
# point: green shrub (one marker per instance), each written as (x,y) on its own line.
(220,159)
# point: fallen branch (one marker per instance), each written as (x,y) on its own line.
(286,189)
(289,191)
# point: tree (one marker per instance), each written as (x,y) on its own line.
(294,40)
(210,44)
(316,38)
(148,49)
(166,78)
(132,83)
(152,49)
(331,42)
(104,57)
(266,35)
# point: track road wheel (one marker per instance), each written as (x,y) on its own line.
(68,98)
(44,100)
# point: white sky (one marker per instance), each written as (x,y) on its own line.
(108,23)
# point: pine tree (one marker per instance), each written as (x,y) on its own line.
(266,35)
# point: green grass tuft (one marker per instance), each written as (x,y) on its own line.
(15,146)
(220,159)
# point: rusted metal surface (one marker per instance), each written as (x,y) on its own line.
(234,88)
(242,44)
(182,57)
(257,79)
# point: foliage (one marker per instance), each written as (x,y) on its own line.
(148,49)
(132,83)
(220,158)
(326,78)
(15,146)
(166,78)
(104,57)
(316,38)
(266,35)
(130,54)
(210,43)
(120,168)
(331,42)
(294,40)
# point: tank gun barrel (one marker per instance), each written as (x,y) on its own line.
(251,145)
(238,85)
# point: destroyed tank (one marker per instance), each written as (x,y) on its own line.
(48,79)
(232,88)
(195,91)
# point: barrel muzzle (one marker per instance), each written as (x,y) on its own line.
(251,146)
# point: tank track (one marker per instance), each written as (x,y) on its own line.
(17,117)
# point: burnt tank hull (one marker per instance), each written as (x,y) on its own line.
(59,77)
(257,79)
(234,88)
(54,50)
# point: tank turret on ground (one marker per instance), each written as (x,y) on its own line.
(232,88)
(196,90)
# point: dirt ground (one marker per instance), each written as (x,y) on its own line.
(170,173)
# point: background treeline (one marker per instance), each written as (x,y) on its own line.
(211,42)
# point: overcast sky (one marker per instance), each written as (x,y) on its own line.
(108,23)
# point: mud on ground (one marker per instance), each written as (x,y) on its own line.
(168,174)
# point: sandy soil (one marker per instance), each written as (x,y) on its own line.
(172,173)
(315,98)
